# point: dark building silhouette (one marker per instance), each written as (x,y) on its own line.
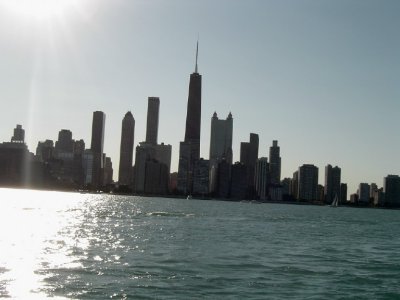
(125,174)
(343,193)
(65,144)
(17,165)
(262,178)
(152,120)
(152,161)
(363,193)
(98,127)
(221,139)
(224,179)
(108,171)
(286,188)
(294,187)
(201,177)
(248,157)
(332,183)
(275,163)
(44,150)
(308,183)
(156,178)
(220,146)
(239,181)
(392,190)
(189,150)
(19,135)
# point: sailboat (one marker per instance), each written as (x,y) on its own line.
(335,202)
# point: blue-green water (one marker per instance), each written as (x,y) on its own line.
(99,246)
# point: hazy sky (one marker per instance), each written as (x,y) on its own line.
(321,77)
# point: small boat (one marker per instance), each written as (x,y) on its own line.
(335,202)
(189,197)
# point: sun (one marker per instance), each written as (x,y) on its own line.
(39,9)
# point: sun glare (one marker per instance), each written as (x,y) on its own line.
(39,9)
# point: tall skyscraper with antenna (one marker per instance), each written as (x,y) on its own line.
(189,150)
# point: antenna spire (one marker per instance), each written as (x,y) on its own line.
(197,54)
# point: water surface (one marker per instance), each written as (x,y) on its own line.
(82,246)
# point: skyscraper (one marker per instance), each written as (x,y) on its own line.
(153,161)
(391,186)
(99,119)
(125,175)
(308,183)
(152,120)
(343,193)
(332,183)
(19,135)
(262,178)
(189,149)
(275,163)
(65,144)
(248,157)
(363,193)
(221,139)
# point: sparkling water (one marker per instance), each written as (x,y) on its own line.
(83,246)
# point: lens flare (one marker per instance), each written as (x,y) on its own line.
(39,9)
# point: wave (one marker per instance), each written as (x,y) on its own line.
(169,214)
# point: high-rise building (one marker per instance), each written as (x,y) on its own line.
(108,171)
(65,143)
(125,174)
(262,178)
(221,139)
(239,181)
(156,178)
(79,147)
(391,186)
(153,108)
(248,157)
(220,146)
(97,144)
(308,183)
(275,163)
(286,188)
(201,177)
(372,188)
(189,150)
(294,187)
(144,152)
(19,135)
(224,179)
(332,183)
(343,193)
(44,150)
(153,161)
(363,193)
(88,160)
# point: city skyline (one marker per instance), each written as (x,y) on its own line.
(333,100)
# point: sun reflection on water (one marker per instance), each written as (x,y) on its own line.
(30,225)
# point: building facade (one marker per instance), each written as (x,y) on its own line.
(125,173)
(189,149)
(332,183)
(262,178)
(308,183)
(392,190)
(275,163)
(153,109)
(97,144)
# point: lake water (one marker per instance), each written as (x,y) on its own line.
(81,246)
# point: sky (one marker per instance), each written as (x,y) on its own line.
(321,77)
